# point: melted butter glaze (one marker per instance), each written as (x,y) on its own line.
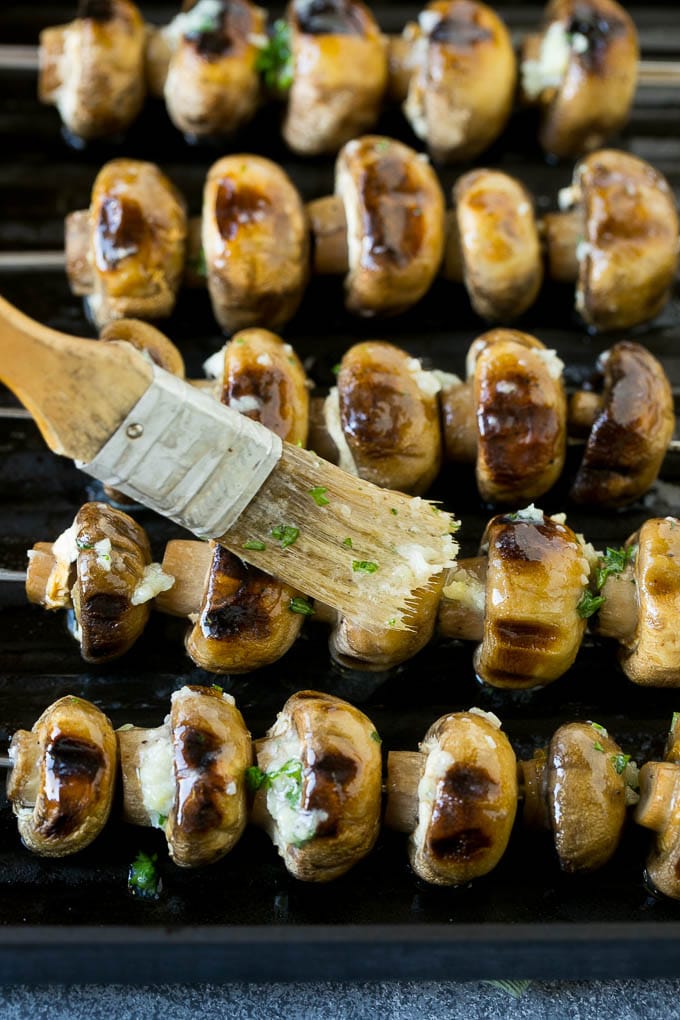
(458,828)
(325,788)
(120,230)
(461,28)
(73,770)
(392,213)
(199,784)
(235,24)
(236,600)
(523,541)
(238,205)
(269,386)
(599,29)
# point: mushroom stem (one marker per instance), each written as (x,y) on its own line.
(188,562)
(41,563)
(583,408)
(658,781)
(618,614)
(461,609)
(452,264)
(459,422)
(562,234)
(531,778)
(319,438)
(400,66)
(329,227)
(77,233)
(404,772)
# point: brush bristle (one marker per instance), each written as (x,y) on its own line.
(360,549)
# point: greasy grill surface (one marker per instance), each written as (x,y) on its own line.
(41,180)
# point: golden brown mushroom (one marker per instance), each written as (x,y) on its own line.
(509,417)
(461,71)
(632,428)
(536,576)
(147,338)
(581,71)
(256,243)
(187,777)
(384,224)
(92,69)
(579,791)
(617,236)
(62,781)
(319,796)
(492,244)
(339,74)
(204,62)
(101,568)
(457,797)
(126,253)
(659,810)
(642,603)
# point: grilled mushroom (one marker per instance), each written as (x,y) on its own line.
(642,601)
(101,568)
(659,810)
(319,785)
(339,74)
(383,418)
(581,71)
(204,62)
(146,338)
(536,576)
(632,428)
(256,243)
(92,69)
(617,236)
(462,78)
(126,254)
(492,244)
(384,223)
(457,797)
(510,416)
(62,781)
(187,777)
(578,790)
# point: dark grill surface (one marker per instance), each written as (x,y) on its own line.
(244,916)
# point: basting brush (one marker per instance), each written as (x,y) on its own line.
(357,548)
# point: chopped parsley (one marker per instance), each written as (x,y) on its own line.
(619,761)
(197,263)
(613,562)
(347,542)
(143,880)
(275,60)
(376,736)
(674,720)
(589,604)
(600,729)
(288,777)
(383,145)
(318,494)
(255,544)
(393,510)
(392,622)
(364,566)
(286,534)
(82,545)
(216,687)
(336,369)
(301,605)
(598,746)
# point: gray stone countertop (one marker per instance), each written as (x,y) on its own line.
(602,1000)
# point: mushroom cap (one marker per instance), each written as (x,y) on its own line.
(659,809)
(498,236)
(587,95)
(341,778)
(245,621)
(630,436)
(256,243)
(535,579)
(146,338)
(653,655)
(213,85)
(211,751)
(92,69)
(394,207)
(463,84)
(138,230)
(467,800)
(339,75)
(586,796)
(113,553)
(264,379)
(629,255)
(521,416)
(62,783)
(390,416)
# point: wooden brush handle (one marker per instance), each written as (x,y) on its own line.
(78,391)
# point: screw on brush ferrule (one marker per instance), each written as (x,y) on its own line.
(187,456)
